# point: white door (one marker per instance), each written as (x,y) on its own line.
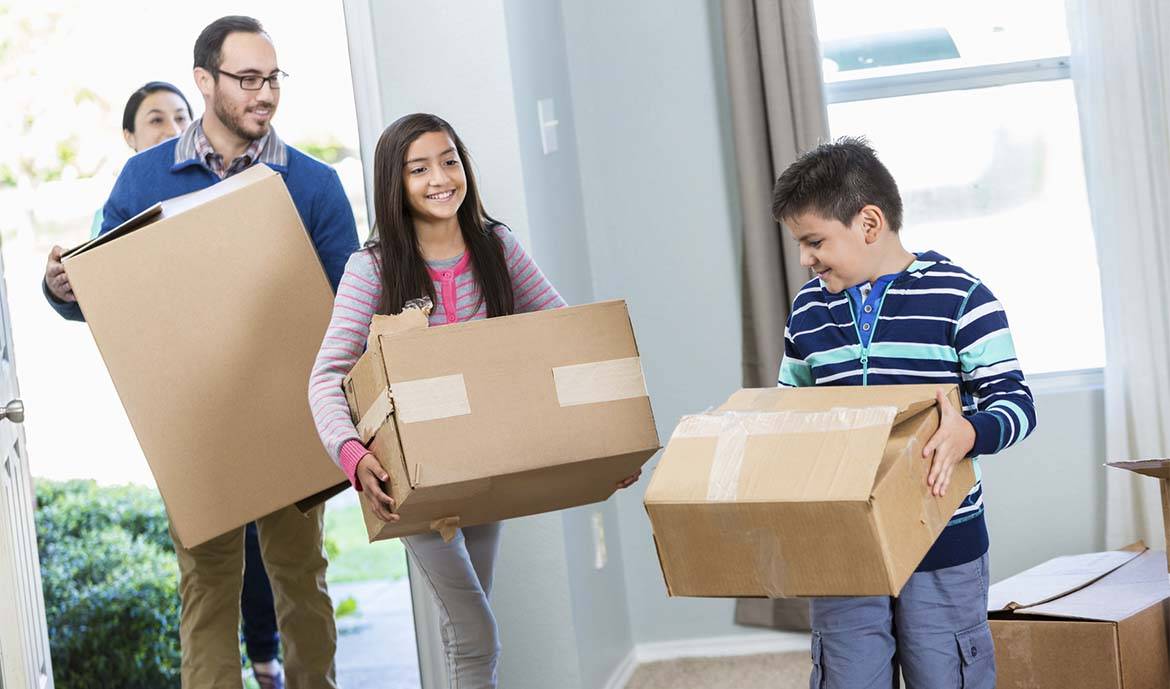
(24,641)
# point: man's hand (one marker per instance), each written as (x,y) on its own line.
(372,477)
(56,278)
(949,445)
(629,480)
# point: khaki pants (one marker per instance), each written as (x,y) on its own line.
(210,580)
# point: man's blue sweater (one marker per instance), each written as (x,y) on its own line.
(159,173)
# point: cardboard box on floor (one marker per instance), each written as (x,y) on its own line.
(498,418)
(1155,468)
(208,310)
(801,492)
(1096,620)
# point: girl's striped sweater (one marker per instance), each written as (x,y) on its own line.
(458,299)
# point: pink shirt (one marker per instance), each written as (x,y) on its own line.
(458,299)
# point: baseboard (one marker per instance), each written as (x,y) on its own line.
(723,646)
(624,671)
(707,647)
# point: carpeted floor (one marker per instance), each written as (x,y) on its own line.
(767,671)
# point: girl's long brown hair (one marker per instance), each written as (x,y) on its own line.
(395,242)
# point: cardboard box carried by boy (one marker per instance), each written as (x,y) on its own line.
(801,492)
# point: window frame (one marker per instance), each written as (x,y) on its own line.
(957,79)
(961,79)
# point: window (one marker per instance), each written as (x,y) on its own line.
(972,109)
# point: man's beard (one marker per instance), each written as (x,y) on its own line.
(235,123)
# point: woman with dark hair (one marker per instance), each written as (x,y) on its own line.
(155,112)
(434,239)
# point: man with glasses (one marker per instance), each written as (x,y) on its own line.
(237,73)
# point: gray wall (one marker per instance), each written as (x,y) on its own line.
(1046,496)
(647,99)
(552,184)
(453,59)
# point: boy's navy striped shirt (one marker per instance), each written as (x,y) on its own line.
(935,323)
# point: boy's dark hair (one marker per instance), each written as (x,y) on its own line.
(836,180)
(209,45)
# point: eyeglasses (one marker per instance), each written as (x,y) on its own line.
(255,82)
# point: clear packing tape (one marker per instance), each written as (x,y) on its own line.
(731,429)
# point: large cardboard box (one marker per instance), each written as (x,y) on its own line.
(801,492)
(1155,468)
(498,418)
(1096,621)
(208,310)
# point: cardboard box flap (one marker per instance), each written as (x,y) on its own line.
(172,207)
(141,220)
(1053,579)
(830,454)
(367,386)
(407,319)
(828,440)
(909,400)
(1122,593)
(1158,468)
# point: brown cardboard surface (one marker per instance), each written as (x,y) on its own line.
(1145,663)
(210,348)
(1108,631)
(500,443)
(1158,468)
(1051,654)
(806,492)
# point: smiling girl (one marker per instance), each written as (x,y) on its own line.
(434,239)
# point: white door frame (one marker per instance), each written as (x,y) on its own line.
(24,639)
(367,96)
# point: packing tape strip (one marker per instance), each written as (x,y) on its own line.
(731,429)
(375,416)
(599,381)
(428,399)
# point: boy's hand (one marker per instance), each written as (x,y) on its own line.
(948,446)
(372,477)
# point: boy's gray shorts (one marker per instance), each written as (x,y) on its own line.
(936,631)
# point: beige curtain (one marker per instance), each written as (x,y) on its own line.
(778,112)
(1120,59)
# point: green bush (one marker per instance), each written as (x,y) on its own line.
(110,581)
(75,509)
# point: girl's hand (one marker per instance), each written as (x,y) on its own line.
(948,446)
(629,480)
(372,477)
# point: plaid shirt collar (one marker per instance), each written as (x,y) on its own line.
(195,148)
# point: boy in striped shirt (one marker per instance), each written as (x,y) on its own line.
(877,314)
